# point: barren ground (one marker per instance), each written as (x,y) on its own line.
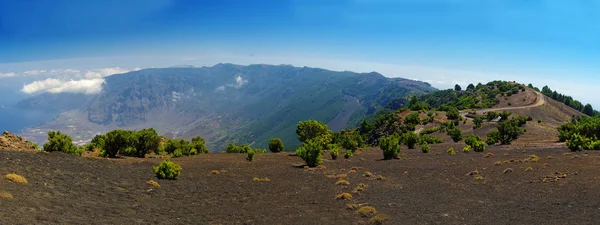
(420,188)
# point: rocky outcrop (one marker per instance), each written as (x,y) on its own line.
(10,141)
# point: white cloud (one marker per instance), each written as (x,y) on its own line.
(4,75)
(69,80)
(239,82)
(91,86)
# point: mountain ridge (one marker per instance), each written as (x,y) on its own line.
(232,103)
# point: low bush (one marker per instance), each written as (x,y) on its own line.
(390,147)
(275,145)
(425,148)
(348,154)
(467,149)
(479,146)
(451,151)
(310,152)
(232,148)
(426,139)
(250,155)
(167,170)
(334,153)
(410,139)
(58,141)
(455,133)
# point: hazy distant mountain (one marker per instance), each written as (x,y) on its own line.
(230,103)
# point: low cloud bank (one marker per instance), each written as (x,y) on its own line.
(69,80)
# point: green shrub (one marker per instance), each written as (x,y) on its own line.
(471,139)
(167,170)
(312,129)
(577,142)
(410,139)
(310,152)
(453,114)
(467,148)
(390,147)
(117,141)
(454,133)
(334,153)
(479,146)
(250,155)
(349,143)
(348,154)
(425,148)
(508,131)
(492,137)
(181,146)
(451,151)
(145,141)
(177,153)
(232,148)
(275,145)
(430,130)
(61,142)
(199,144)
(477,122)
(426,139)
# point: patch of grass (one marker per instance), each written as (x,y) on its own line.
(473,173)
(508,170)
(352,206)
(367,174)
(379,219)
(153,183)
(343,196)
(256,179)
(534,158)
(567,154)
(478,177)
(15,178)
(215,172)
(451,151)
(497,163)
(550,157)
(360,187)
(366,211)
(379,177)
(342,182)
(529,169)
(5,195)
(341,176)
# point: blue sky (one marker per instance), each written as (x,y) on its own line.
(440,41)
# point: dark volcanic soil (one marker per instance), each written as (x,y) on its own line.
(420,188)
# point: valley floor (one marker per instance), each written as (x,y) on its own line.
(433,188)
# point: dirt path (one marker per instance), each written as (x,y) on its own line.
(539,101)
